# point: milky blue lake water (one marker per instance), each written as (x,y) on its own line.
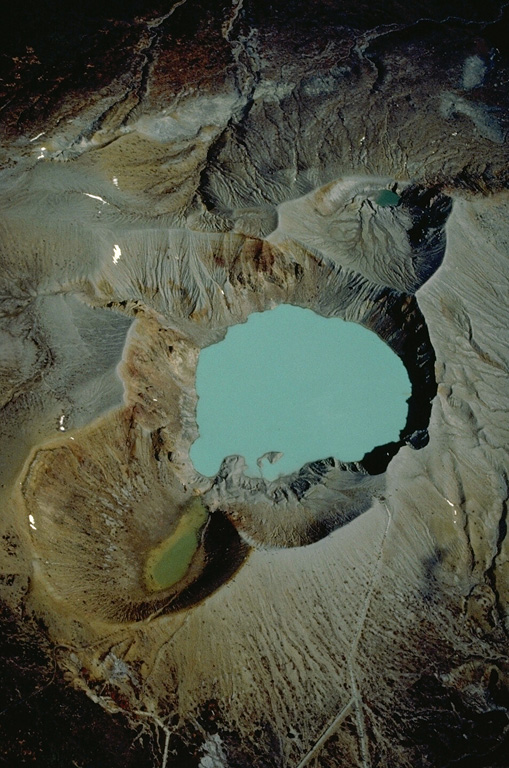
(290,380)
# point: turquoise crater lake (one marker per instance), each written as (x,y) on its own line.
(291,381)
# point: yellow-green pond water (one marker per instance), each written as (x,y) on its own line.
(170,560)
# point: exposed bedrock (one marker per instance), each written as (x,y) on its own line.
(190,167)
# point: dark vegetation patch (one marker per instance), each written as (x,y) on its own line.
(46,723)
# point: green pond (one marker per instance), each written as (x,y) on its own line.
(291,381)
(386,198)
(170,560)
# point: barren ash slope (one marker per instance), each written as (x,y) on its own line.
(165,172)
